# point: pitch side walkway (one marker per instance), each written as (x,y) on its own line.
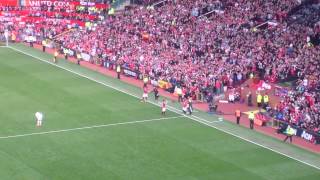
(226,108)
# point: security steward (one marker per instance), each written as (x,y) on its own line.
(289,132)
(44,43)
(251,119)
(78,58)
(118,69)
(238,116)
(259,100)
(65,54)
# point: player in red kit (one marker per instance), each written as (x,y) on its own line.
(185,106)
(190,108)
(145,94)
(163,107)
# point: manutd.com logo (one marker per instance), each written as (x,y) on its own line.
(35,3)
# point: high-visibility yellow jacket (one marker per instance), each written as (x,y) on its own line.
(251,115)
(145,79)
(179,91)
(259,98)
(290,131)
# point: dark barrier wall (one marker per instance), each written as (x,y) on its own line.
(307,135)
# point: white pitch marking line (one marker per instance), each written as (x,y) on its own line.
(89,127)
(195,118)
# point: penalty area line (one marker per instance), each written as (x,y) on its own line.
(173,109)
(89,127)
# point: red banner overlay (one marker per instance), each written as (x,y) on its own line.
(38,3)
(56,3)
(8,2)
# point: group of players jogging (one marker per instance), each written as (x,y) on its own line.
(186,102)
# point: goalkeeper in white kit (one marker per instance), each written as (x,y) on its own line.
(39,119)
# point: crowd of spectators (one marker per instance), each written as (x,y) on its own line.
(300,109)
(204,46)
(48,28)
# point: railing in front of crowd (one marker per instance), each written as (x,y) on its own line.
(116,4)
(308,135)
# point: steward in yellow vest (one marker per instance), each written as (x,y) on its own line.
(78,58)
(44,43)
(118,71)
(259,100)
(251,119)
(290,133)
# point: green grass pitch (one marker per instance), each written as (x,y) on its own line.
(113,140)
